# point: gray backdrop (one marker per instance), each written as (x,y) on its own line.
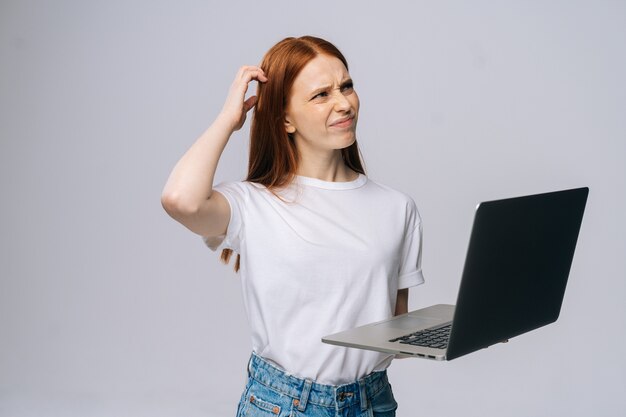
(110,308)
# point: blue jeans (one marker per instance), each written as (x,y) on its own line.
(270,392)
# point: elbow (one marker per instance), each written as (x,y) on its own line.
(176,206)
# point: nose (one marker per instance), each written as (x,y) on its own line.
(342,103)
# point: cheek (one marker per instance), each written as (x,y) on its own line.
(318,117)
(356,102)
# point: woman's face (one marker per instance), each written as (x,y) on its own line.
(323,107)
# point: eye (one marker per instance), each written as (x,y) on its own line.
(322,94)
(347,86)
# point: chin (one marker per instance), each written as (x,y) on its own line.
(348,143)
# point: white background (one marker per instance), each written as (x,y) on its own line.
(110,308)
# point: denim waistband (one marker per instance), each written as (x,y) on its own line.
(305,391)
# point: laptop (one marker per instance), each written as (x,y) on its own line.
(516,269)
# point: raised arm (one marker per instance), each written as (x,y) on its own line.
(188,195)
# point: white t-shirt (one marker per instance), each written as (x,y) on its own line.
(329,258)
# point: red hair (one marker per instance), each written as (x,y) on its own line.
(273,159)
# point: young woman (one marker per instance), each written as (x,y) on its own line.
(320,247)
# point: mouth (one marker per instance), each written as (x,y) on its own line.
(343,123)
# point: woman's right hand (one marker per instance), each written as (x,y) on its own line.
(235,108)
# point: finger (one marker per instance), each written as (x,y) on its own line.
(254,75)
(261,74)
(246,69)
(249,103)
(252,68)
(248,73)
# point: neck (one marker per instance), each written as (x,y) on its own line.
(325,166)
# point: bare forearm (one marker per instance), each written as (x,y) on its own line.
(191,181)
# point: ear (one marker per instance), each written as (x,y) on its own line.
(289,127)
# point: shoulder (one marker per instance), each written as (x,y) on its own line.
(394,195)
(238,188)
(400,200)
(244,193)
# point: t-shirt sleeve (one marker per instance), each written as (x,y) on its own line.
(410,273)
(236,194)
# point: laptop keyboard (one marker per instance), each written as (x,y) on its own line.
(434,338)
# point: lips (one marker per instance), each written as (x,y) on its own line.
(343,122)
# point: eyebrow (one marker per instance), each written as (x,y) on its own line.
(326,87)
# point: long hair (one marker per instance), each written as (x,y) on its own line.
(273,159)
